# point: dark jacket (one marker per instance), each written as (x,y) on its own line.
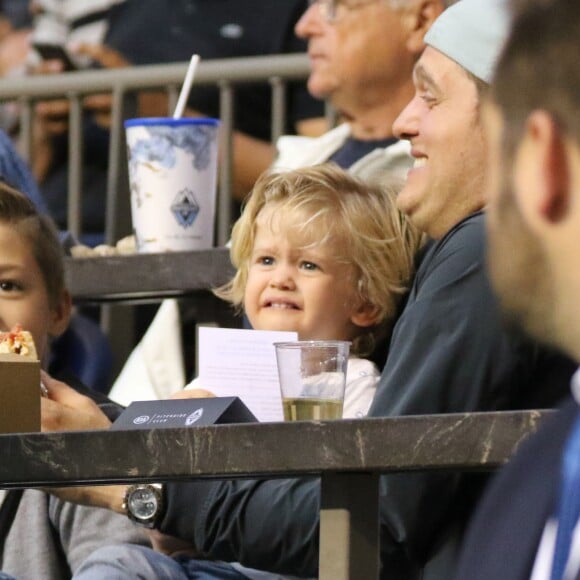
(506,531)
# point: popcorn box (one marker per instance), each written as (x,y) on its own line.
(19,394)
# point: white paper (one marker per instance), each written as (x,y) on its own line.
(242,363)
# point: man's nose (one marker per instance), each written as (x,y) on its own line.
(310,22)
(406,125)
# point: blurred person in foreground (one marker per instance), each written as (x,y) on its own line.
(448,353)
(525,526)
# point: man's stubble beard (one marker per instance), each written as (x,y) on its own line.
(520,272)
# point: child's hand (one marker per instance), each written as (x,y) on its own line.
(66,410)
(192,394)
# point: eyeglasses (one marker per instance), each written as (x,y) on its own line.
(329,8)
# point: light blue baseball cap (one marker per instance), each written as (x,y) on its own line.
(472,33)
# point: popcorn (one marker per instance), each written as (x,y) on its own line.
(18,341)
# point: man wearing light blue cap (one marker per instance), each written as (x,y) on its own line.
(442,121)
(449,353)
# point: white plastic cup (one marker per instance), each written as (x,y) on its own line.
(312,378)
(173,179)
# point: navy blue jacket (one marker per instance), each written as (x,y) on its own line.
(506,531)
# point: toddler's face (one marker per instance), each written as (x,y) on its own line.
(23,295)
(296,289)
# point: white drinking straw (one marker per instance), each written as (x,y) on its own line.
(186,87)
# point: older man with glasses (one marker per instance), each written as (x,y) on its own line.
(362,54)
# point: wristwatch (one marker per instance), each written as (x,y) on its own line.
(144,503)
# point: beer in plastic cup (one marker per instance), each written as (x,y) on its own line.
(312,378)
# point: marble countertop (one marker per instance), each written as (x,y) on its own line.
(476,441)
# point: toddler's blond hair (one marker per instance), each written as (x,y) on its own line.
(325,204)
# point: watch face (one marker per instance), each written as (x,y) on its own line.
(143,503)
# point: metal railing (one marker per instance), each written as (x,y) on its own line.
(123,84)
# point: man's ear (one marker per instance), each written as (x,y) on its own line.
(365,315)
(551,151)
(418,18)
(61,315)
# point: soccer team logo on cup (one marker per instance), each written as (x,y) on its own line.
(185,208)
